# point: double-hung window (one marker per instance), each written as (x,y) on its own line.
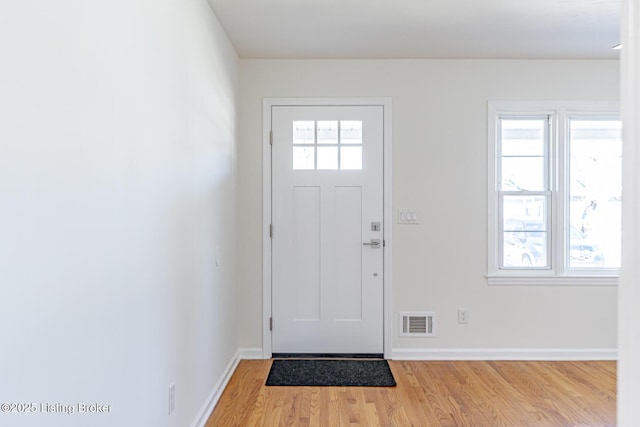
(555,193)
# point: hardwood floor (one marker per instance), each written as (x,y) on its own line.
(456,394)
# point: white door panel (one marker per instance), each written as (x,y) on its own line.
(327,190)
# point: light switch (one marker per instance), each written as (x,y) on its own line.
(408,216)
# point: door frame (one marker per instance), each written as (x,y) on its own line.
(267,105)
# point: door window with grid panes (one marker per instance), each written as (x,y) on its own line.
(327,145)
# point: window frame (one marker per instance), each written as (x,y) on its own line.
(558,155)
(316,145)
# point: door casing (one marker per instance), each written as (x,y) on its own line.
(267,105)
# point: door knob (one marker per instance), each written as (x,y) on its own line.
(374,243)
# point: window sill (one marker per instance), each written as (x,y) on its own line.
(515,280)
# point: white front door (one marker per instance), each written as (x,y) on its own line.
(327,214)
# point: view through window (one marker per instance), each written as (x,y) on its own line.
(557,191)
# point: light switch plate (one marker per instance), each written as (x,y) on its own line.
(408,216)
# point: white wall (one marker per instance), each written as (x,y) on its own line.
(117,194)
(440,168)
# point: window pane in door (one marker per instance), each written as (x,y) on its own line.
(328,158)
(303,158)
(351,132)
(595,198)
(328,132)
(304,132)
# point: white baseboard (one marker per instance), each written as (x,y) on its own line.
(251,353)
(212,400)
(503,354)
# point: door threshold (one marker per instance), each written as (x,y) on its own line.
(327,356)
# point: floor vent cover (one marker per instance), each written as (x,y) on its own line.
(418,324)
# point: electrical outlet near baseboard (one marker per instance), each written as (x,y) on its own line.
(172,398)
(463,315)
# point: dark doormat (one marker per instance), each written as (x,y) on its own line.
(337,373)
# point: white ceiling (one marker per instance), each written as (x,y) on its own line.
(421,28)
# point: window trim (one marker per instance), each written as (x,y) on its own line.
(559,113)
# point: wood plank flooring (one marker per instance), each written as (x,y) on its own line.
(455,394)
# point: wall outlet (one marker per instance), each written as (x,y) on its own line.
(463,315)
(172,398)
